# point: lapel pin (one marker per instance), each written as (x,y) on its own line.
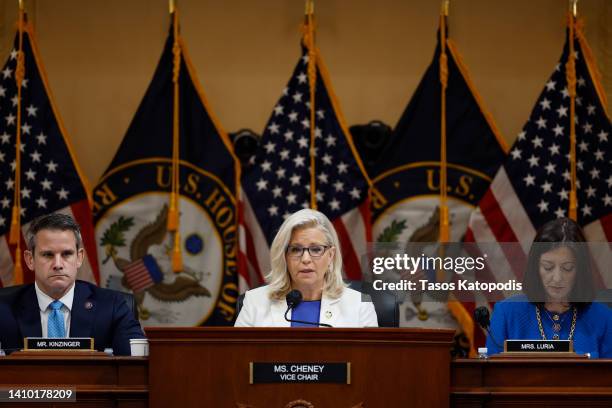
(328,314)
(88,305)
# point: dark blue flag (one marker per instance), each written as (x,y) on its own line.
(132,206)
(409,177)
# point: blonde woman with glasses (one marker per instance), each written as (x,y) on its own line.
(305,256)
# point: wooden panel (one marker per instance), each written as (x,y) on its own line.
(99,381)
(389,367)
(209,366)
(531,382)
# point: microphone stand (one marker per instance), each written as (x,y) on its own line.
(485,322)
(304,322)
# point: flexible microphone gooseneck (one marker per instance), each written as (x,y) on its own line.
(481,315)
(294,298)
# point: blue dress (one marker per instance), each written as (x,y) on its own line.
(306,311)
(515,318)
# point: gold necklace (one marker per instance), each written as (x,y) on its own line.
(571,333)
(557,323)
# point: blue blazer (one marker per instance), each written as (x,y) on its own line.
(107,318)
(515,318)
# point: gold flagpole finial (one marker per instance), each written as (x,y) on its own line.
(574,7)
(171,6)
(20,4)
(445,7)
(309,8)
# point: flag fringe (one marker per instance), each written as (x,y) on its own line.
(465,322)
(29,28)
(591,64)
(570,77)
(444,222)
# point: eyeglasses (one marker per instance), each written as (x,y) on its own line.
(315,251)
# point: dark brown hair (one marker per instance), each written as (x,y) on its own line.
(562,232)
(53,221)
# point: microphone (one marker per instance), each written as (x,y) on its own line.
(481,315)
(8,351)
(294,298)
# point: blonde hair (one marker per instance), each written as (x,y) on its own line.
(279,279)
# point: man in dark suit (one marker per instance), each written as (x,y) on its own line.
(57,305)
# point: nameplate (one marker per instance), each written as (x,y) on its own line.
(263,373)
(64,344)
(539,346)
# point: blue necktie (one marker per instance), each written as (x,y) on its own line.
(55,325)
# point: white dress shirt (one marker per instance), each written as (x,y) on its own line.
(45,300)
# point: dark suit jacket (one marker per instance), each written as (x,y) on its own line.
(96,312)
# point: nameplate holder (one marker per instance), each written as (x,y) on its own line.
(538,346)
(282,372)
(58,344)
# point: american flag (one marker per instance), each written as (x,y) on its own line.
(533,186)
(50,178)
(143,273)
(277,182)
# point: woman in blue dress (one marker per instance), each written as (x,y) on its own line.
(558,296)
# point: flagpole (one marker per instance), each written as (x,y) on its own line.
(444,217)
(570,73)
(454,307)
(309,41)
(173,212)
(15,231)
(443,230)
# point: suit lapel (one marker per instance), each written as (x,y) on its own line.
(329,310)
(28,314)
(83,311)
